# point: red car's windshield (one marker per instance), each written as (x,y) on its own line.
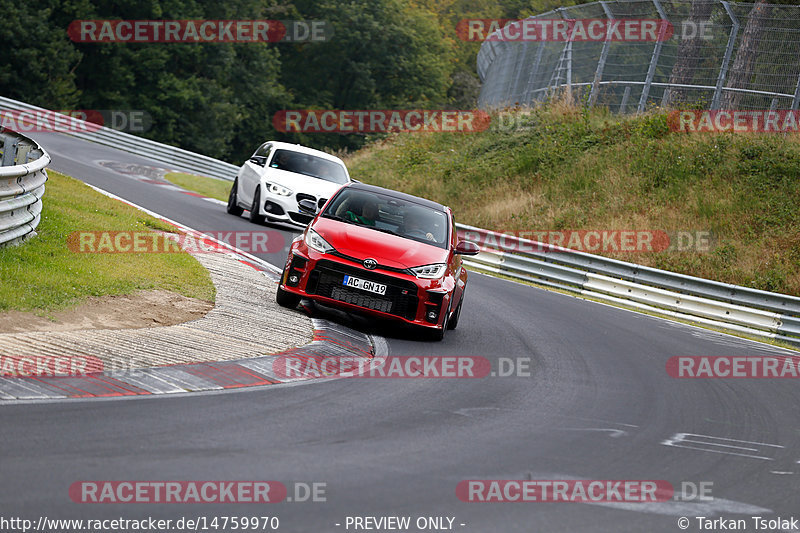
(390,215)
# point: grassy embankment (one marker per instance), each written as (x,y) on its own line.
(44,275)
(558,167)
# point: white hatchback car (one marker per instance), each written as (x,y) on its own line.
(278,175)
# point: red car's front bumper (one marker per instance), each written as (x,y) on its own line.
(319,277)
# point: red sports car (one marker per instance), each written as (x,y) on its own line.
(380,252)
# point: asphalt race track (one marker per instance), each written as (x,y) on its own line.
(598,404)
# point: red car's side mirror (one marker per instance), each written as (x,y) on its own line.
(467,248)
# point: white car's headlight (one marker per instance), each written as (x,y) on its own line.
(313,240)
(433,271)
(280,190)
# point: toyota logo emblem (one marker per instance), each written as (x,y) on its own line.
(370,264)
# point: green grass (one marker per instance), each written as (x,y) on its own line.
(211,187)
(560,167)
(43,274)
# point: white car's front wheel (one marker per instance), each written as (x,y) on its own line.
(255,217)
(233,207)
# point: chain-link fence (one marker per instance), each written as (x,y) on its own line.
(721,55)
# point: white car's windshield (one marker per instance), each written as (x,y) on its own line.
(309,165)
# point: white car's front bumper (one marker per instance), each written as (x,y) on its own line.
(279,208)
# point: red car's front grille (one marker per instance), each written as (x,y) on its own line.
(327,280)
(361,299)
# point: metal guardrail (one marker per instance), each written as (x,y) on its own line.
(22,178)
(722,305)
(174,158)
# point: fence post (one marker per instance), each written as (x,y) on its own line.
(565,55)
(796,100)
(522,63)
(569,68)
(535,71)
(723,70)
(601,63)
(569,58)
(624,103)
(651,71)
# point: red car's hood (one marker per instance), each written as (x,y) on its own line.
(361,243)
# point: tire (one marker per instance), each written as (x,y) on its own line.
(233,208)
(453,323)
(254,216)
(286,299)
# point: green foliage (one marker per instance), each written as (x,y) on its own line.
(37,60)
(219,99)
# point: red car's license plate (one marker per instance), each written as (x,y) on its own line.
(364,285)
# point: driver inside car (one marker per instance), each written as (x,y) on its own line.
(280,161)
(413,227)
(369,213)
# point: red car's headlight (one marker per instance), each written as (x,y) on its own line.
(434,271)
(316,242)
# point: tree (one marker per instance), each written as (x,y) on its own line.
(742,70)
(382,53)
(38,61)
(689,53)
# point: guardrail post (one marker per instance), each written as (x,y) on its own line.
(601,63)
(723,70)
(9,151)
(651,71)
(23,153)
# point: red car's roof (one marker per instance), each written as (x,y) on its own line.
(397,194)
